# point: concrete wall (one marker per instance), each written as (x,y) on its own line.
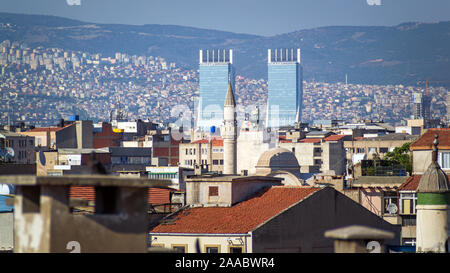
(250,146)
(422,160)
(243,190)
(333,157)
(6,231)
(301,228)
(54,226)
(230,193)
(189,241)
(66,137)
(198,193)
(85,134)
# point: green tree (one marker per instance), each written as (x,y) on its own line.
(400,156)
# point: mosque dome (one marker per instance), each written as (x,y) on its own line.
(278,158)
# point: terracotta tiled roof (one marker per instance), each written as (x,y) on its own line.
(426,140)
(412,183)
(334,137)
(82,192)
(240,218)
(215,141)
(158,196)
(155,195)
(311,140)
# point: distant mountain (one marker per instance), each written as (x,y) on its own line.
(402,54)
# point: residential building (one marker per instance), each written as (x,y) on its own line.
(105,136)
(367,147)
(165,147)
(133,130)
(318,152)
(422,150)
(204,152)
(22,147)
(260,220)
(72,161)
(130,158)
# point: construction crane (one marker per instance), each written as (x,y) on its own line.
(427,98)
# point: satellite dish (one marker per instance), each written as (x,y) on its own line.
(392,208)
(42,158)
(9,152)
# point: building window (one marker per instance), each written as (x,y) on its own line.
(360,150)
(179,248)
(31,199)
(221,162)
(212,249)
(235,249)
(215,162)
(408,203)
(213,191)
(372,150)
(409,220)
(390,201)
(444,160)
(383,150)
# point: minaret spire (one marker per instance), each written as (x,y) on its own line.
(229,133)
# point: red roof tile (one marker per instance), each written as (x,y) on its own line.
(311,140)
(159,196)
(412,183)
(82,192)
(155,195)
(215,141)
(240,218)
(334,137)
(426,140)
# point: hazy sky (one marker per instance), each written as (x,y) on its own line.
(262,17)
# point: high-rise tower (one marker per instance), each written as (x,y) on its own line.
(216,72)
(229,133)
(285,78)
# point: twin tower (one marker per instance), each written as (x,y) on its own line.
(285,87)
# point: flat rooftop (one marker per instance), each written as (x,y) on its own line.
(229,178)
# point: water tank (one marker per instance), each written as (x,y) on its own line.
(74,117)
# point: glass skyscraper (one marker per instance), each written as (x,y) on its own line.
(216,71)
(285,82)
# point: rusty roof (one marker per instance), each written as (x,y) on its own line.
(240,218)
